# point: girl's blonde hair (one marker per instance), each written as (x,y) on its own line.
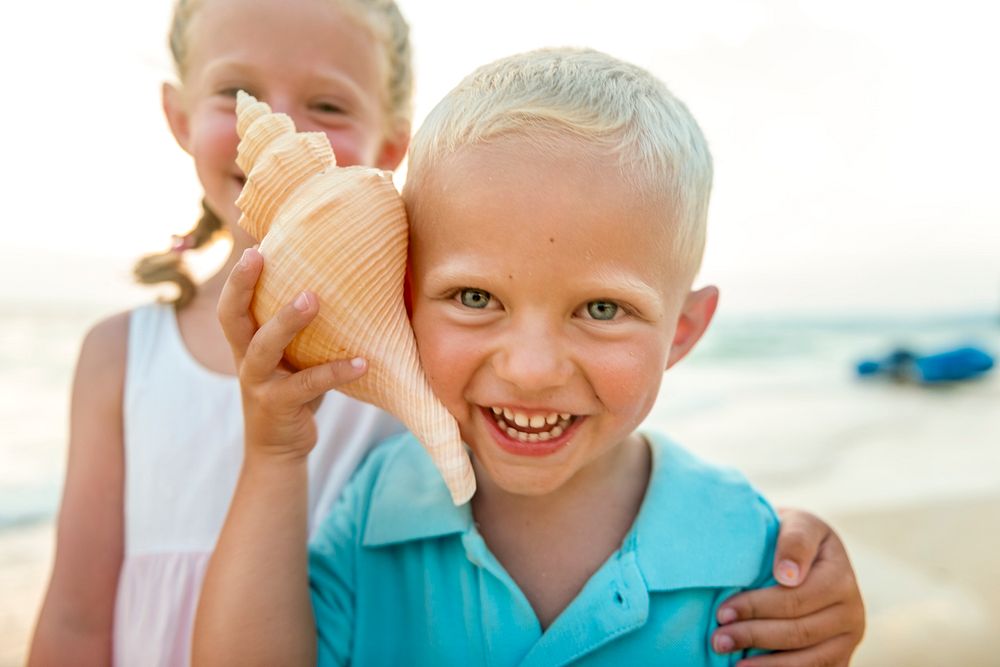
(615,107)
(392,33)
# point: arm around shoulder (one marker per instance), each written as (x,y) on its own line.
(77,616)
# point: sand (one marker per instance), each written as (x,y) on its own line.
(25,561)
(931,578)
(909,477)
(930,575)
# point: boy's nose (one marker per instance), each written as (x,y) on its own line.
(533,360)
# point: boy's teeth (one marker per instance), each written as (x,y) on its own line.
(511,422)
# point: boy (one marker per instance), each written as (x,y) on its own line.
(557,202)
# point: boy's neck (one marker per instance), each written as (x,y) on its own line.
(552,544)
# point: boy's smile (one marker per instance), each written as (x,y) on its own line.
(545,302)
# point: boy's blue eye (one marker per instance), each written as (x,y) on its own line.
(474,298)
(602,310)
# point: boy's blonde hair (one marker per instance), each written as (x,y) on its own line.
(390,30)
(616,107)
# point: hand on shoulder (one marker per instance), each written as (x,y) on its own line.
(815,617)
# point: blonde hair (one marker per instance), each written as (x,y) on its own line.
(581,93)
(391,32)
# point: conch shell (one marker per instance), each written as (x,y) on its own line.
(342,232)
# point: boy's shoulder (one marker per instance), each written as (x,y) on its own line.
(702,525)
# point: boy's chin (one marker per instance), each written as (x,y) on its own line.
(515,480)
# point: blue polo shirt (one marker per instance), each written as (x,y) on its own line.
(400,576)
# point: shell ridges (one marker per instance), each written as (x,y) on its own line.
(341,232)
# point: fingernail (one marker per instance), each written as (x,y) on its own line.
(242,264)
(358,362)
(788,573)
(301,302)
(727,615)
(723,643)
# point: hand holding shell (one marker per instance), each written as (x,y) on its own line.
(341,232)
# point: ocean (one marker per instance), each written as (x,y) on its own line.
(766,376)
(908,475)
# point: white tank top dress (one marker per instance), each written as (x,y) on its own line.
(183,450)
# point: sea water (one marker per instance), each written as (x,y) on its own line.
(775,395)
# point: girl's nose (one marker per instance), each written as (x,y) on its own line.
(286,104)
(533,360)
(281,104)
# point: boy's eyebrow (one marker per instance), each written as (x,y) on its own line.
(604,282)
(457,270)
(625,284)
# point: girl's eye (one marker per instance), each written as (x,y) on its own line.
(602,310)
(231,92)
(328,107)
(474,298)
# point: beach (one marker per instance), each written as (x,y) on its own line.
(908,475)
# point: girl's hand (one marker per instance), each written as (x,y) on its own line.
(815,618)
(278,402)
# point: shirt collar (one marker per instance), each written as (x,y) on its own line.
(411,502)
(698,526)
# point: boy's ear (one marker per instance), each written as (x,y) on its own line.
(177,117)
(394,147)
(696,314)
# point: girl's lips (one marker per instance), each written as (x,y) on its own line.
(519,447)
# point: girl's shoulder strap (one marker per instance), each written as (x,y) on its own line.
(148,325)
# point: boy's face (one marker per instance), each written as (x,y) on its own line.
(543,289)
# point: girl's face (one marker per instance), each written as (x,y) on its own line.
(306,58)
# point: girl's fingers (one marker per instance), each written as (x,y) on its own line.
(309,385)
(830,581)
(835,652)
(267,346)
(782,635)
(234,303)
(799,540)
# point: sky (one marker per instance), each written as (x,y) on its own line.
(855,143)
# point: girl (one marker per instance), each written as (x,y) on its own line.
(156,427)
(156,435)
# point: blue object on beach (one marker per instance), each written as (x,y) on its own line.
(962,363)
